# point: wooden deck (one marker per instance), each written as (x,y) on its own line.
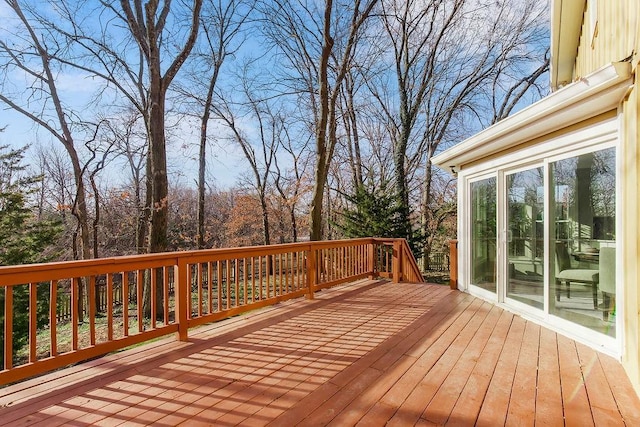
(369,353)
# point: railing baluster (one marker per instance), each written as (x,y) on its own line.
(260,277)
(266,272)
(75,301)
(165,290)
(199,279)
(154,296)
(53,318)
(125,303)
(139,285)
(109,307)
(228,284)
(244,280)
(92,309)
(291,278)
(334,264)
(280,284)
(33,321)
(219,283)
(253,279)
(352,260)
(210,286)
(237,280)
(296,270)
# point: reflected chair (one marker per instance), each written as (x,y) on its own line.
(568,275)
(607,283)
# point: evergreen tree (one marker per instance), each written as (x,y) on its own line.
(23,240)
(374,213)
(377,213)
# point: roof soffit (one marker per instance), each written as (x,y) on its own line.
(594,94)
(566,25)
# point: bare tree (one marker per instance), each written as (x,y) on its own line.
(444,62)
(291,186)
(269,128)
(318,45)
(40,100)
(130,143)
(91,168)
(148,27)
(222,23)
(350,121)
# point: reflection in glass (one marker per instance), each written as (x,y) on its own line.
(583,262)
(483,234)
(525,236)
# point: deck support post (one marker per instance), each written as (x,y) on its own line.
(397,261)
(312,272)
(182,299)
(371,261)
(453,264)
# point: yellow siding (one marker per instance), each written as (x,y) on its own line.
(618,37)
(630,220)
(615,39)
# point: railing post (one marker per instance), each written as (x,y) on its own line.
(397,261)
(182,298)
(453,264)
(371,261)
(312,272)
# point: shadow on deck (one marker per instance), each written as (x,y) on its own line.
(368,353)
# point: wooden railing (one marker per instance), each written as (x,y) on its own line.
(148,296)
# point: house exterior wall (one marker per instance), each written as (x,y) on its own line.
(630,219)
(594,45)
(610,33)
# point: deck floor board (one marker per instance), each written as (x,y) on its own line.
(370,353)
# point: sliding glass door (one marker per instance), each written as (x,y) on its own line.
(525,236)
(583,275)
(483,234)
(543,240)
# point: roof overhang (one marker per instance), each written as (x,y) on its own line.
(594,94)
(566,25)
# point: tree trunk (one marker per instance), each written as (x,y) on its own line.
(294,224)
(318,197)
(322,165)
(426,217)
(159,183)
(265,218)
(202,163)
(400,184)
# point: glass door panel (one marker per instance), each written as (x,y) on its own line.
(483,234)
(583,266)
(525,237)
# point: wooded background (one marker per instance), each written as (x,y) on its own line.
(336,107)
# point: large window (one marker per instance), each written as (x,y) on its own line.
(583,197)
(483,232)
(525,236)
(577,242)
